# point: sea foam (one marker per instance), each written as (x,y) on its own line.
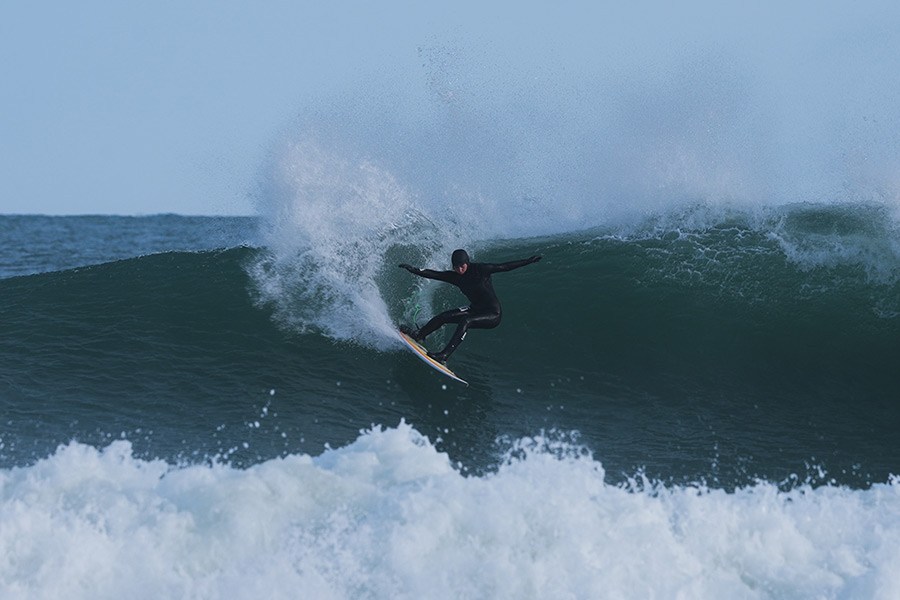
(389,517)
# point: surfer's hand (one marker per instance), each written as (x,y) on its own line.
(409,268)
(535,258)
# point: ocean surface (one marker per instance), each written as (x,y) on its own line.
(696,403)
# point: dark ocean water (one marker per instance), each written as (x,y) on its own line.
(645,378)
(701,356)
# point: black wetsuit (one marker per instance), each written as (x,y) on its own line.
(484,310)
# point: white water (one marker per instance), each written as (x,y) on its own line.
(328,224)
(388,517)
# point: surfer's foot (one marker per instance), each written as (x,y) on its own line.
(439,357)
(414,334)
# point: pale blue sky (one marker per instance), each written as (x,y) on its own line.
(141,108)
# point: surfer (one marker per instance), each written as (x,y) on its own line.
(474,280)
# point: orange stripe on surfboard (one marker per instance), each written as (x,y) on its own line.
(422,353)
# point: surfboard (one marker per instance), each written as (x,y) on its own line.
(422,353)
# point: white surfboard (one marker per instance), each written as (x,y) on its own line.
(422,353)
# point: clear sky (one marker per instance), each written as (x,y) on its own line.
(170,106)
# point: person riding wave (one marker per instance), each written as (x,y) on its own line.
(474,280)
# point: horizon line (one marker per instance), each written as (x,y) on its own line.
(126,215)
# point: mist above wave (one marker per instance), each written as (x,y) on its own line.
(471,143)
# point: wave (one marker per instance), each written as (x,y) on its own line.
(775,331)
(801,285)
(145,308)
(42,244)
(388,516)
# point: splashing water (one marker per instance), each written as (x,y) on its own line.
(329,223)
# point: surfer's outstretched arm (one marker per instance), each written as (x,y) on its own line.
(513,264)
(429,273)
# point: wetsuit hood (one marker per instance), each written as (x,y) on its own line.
(459,258)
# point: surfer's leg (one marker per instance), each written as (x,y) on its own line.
(477,321)
(448,316)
